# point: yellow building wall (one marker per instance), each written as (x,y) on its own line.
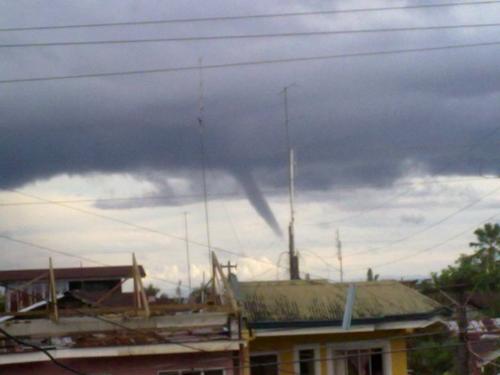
(285,346)
(398,357)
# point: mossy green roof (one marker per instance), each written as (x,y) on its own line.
(319,300)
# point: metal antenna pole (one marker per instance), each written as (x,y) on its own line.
(339,255)
(203,159)
(188,258)
(293,259)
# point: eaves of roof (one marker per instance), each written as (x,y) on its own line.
(338,323)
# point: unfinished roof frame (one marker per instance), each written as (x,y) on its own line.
(221,297)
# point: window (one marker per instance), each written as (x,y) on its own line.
(193,372)
(361,358)
(307,360)
(264,364)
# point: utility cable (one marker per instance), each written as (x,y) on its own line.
(430,226)
(252,63)
(247,36)
(234,194)
(44,351)
(136,226)
(430,248)
(252,16)
(64,253)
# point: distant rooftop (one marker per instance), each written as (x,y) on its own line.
(75,273)
(323,301)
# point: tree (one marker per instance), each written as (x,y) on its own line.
(431,355)
(476,273)
(151,290)
(470,276)
(488,245)
(370,276)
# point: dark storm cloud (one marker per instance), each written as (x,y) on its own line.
(354,122)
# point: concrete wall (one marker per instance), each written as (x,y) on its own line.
(285,348)
(137,365)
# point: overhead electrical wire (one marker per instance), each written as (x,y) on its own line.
(251,16)
(430,226)
(469,147)
(252,63)
(42,350)
(429,248)
(248,36)
(71,255)
(186,196)
(139,227)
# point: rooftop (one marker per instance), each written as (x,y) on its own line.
(322,301)
(75,273)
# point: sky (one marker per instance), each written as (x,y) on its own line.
(398,152)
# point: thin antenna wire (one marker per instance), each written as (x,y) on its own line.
(188,258)
(203,157)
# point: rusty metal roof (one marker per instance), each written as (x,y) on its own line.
(75,273)
(322,301)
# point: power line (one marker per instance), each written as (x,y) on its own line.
(44,351)
(214,195)
(173,198)
(248,36)
(250,16)
(66,254)
(430,226)
(469,147)
(329,357)
(252,63)
(430,248)
(139,227)
(51,250)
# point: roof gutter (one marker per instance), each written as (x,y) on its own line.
(354,322)
(291,331)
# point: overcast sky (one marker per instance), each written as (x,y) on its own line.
(399,152)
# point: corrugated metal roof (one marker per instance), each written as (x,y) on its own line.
(76,273)
(319,300)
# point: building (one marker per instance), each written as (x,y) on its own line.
(25,288)
(69,333)
(318,328)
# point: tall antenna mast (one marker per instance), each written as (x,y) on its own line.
(203,157)
(292,254)
(339,255)
(188,258)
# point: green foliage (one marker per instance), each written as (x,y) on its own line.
(488,245)
(432,355)
(370,276)
(478,272)
(151,290)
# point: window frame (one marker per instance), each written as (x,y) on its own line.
(361,345)
(259,354)
(317,357)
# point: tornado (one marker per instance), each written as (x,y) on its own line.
(258,200)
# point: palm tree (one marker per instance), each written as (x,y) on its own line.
(488,245)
